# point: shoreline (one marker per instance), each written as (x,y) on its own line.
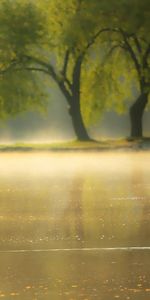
(74,146)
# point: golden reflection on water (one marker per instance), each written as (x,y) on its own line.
(82,200)
(57,162)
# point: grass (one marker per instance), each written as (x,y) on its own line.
(117,144)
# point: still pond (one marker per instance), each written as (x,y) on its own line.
(75,226)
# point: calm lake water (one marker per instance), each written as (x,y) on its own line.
(75,226)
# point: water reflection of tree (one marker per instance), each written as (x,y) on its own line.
(104,209)
(73,214)
(141,196)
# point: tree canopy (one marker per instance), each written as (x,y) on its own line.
(20,30)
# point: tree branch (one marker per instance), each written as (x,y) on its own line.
(68,83)
(51,71)
(137,43)
(42,63)
(93,39)
(64,69)
(66,60)
(146,55)
(130,51)
(65,91)
(36,69)
(13,63)
(76,77)
(115,47)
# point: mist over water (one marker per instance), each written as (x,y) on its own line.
(70,163)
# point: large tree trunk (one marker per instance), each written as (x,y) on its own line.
(75,108)
(77,121)
(136,116)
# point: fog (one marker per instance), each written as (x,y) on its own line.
(56,125)
(64,164)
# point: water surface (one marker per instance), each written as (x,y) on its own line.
(75,226)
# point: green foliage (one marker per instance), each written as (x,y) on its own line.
(107,86)
(114,78)
(21,26)
(21,30)
(21,91)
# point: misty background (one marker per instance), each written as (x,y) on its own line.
(56,125)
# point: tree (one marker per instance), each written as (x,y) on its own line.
(129,39)
(139,52)
(40,37)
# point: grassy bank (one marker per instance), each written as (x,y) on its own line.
(119,144)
